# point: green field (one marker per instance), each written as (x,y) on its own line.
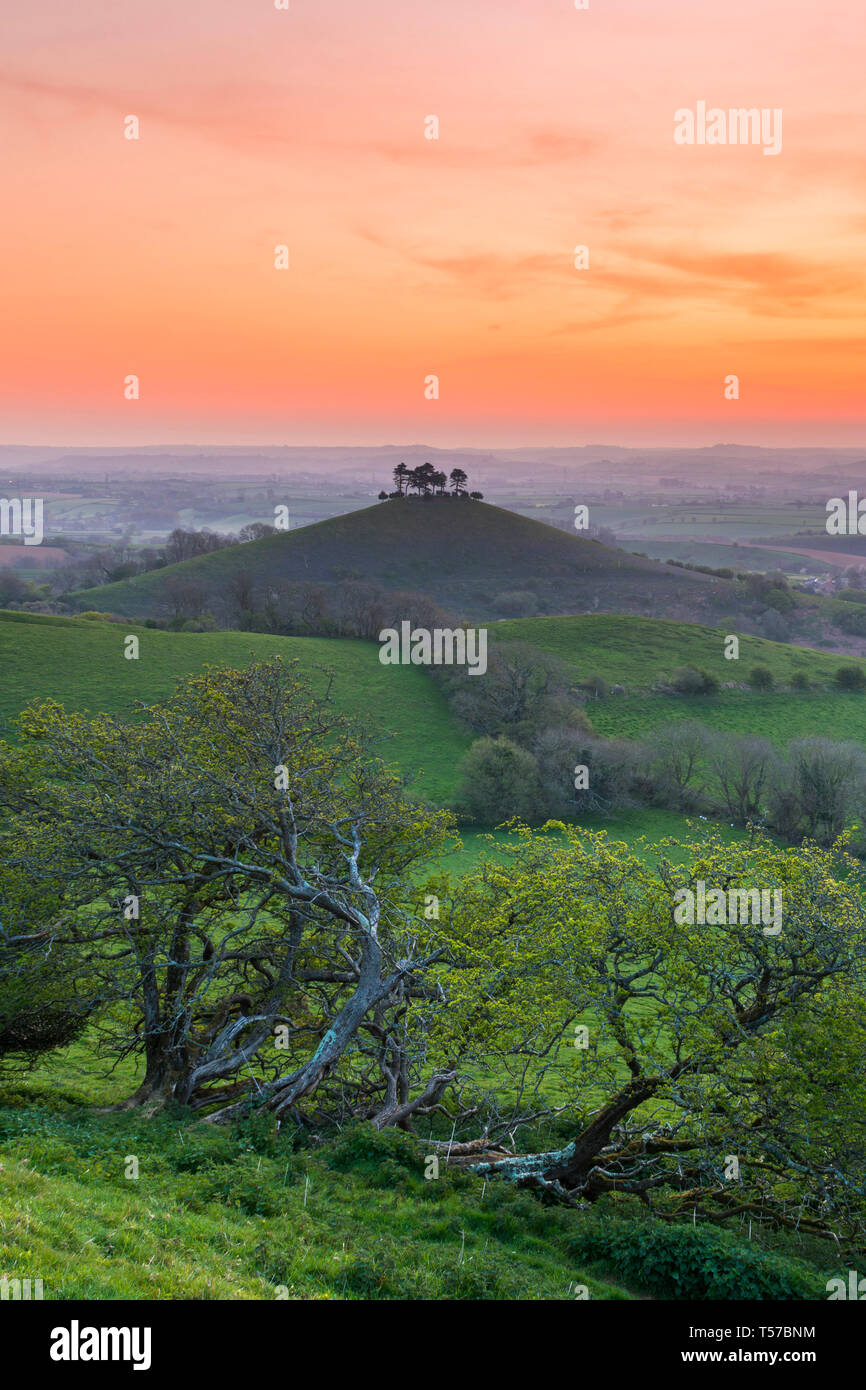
(80,663)
(638,652)
(780,716)
(690,521)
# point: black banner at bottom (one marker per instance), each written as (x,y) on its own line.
(63,1339)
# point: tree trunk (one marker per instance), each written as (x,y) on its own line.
(158,1088)
(567,1170)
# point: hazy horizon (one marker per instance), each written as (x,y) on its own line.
(516,446)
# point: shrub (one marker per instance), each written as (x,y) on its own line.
(499,780)
(852,620)
(382,1156)
(595,686)
(850,678)
(761,678)
(687,1262)
(773,626)
(800,681)
(694,680)
(517,603)
(782,600)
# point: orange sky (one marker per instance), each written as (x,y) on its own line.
(412,256)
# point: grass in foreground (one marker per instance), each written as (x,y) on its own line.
(219,1214)
(245,1213)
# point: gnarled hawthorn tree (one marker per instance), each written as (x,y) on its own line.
(703,1043)
(231,868)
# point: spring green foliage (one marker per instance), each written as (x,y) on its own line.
(724,1037)
(775,714)
(251,893)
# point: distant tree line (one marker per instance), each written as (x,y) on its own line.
(696,680)
(293,608)
(113,563)
(537,755)
(812,789)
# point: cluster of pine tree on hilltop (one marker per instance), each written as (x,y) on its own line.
(427,481)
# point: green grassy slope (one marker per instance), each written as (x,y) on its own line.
(637,652)
(463,555)
(640,830)
(241,1213)
(80,662)
(779,716)
(228,1214)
